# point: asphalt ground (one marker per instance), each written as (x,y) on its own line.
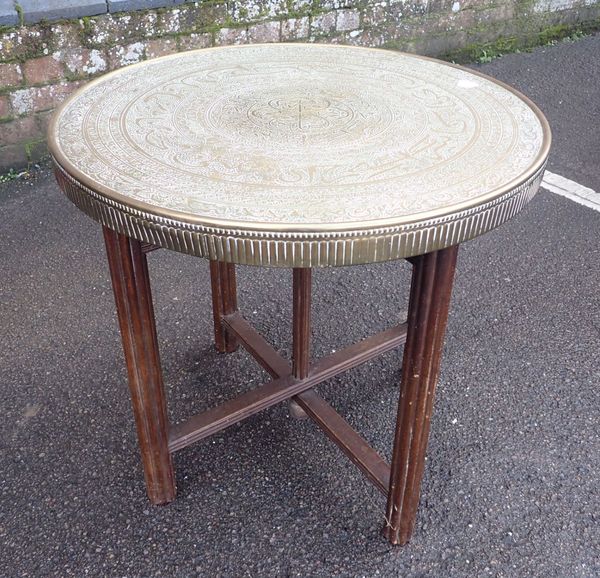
(511,486)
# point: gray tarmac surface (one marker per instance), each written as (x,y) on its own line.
(512,482)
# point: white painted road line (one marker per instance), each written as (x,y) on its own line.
(571,190)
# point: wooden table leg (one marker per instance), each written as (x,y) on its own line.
(131,286)
(224,299)
(430,293)
(301,322)
(302,296)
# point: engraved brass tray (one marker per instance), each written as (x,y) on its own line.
(299,155)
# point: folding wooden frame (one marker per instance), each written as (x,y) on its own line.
(423,335)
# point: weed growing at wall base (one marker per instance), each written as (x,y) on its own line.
(13,175)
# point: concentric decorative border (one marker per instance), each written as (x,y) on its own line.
(301,249)
(301,245)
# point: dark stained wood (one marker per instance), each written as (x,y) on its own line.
(423,333)
(360,352)
(347,439)
(230,412)
(233,411)
(131,286)
(224,299)
(149,247)
(257,345)
(302,282)
(217,305)
(431,289)
(301,329)
(325,367)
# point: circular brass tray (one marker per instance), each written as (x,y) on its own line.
(299,155)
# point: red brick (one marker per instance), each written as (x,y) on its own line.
(4,106)
(12,157)
(43,120)
(65,35)
(123,55)
(207,14)
(294,28)
(347,20)
(169,22)
(24,42)
(84,60)
(22,100)
(265,32)
(10,75)
(47,97)
(42,70)
(19,130)
(369,38)
(9,43)
(231,36)
(160,47)
(323,23)
(195,41)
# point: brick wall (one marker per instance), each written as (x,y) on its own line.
(41,64)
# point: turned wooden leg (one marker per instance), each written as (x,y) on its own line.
(427,316)
(131,286)
(224,299)
(302,285)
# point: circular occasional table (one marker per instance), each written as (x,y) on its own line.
(298,156)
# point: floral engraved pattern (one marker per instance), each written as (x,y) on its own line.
(298,134)
(299,140)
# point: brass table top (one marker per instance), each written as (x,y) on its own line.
(299,155)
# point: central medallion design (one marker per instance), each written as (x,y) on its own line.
(309,115)
(296,117)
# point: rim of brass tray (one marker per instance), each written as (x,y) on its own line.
(299,244)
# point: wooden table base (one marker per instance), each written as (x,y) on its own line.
(423,333)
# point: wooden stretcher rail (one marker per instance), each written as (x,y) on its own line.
(281,388)
(346,438)
(257,346)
